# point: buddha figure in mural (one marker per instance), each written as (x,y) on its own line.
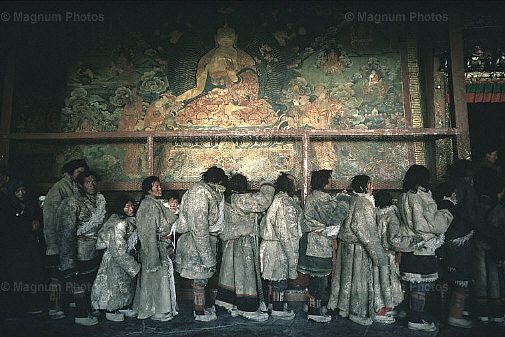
(227,87)
(220,65)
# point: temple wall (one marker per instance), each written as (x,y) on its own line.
(288,69)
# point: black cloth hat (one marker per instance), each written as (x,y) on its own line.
(74,164)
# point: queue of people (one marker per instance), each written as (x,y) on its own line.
(368,257)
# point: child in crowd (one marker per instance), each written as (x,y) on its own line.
(173,201)
(114,285)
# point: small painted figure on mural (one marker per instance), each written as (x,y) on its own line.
(332,63)
(320,111)
(122,62)
(373,83)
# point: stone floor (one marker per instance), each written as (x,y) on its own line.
(184,325)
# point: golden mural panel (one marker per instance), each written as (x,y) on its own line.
(381,160)
(185,163)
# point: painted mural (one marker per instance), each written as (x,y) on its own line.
(253,157)
(289,68)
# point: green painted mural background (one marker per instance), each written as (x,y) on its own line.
(279,68)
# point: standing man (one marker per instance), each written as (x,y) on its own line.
(79,218)
(201,220)
(62,189)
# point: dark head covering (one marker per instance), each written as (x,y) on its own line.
(319,179)
(74,164)
(359,183)
(383,198)
(13,185)
(285,184)
(173,195)
(215,175)
(461,168)
(416,176)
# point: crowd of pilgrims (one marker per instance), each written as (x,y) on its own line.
(368,256)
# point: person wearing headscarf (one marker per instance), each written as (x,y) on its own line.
(22,252)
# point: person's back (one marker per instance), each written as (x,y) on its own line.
(488,254)
(240,285)
(201,217)
(62,189)
(486,168)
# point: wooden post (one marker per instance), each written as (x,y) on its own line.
(150,155)
(305,165)
(463,148)
(6,112)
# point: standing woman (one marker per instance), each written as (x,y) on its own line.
(201,220)
(239,278)
(359,250)
(155,296)
(114,284)
(280,233)
(423,223)
(323,217)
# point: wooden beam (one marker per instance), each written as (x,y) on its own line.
(142,136)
